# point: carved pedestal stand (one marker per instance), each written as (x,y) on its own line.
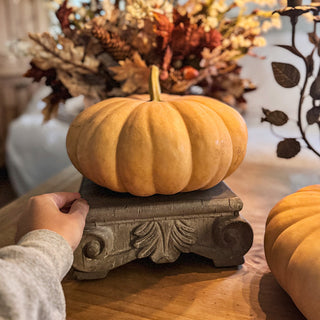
(121,228)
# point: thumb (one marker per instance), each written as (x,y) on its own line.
(79,207)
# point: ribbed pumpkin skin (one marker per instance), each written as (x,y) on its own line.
(292,248)
(181,143)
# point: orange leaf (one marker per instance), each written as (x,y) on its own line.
(163,28)
(63,14)
(51,109)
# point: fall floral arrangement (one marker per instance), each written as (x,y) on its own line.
(106,48)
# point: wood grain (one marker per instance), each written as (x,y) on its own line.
(190,288)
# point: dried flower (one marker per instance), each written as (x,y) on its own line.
(106,49)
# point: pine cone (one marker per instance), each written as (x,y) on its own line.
(112,43)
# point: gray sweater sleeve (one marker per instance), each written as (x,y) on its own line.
(30,277)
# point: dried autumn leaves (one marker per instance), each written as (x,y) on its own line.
(107,51)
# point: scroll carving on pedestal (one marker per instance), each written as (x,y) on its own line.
(232,237)
(96,244)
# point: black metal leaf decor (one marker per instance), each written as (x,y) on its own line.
(315,89)
(277,118)
(290,48)
(288,148)
(287,75)
(313,115)
(294,3)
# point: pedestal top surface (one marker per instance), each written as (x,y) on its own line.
(106,204)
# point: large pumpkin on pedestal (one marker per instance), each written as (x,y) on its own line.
(164,145)
(292,248)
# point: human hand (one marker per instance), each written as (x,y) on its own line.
(62,212)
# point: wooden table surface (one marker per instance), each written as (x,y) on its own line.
(191,288)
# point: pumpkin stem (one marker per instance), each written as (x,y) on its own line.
(154,84)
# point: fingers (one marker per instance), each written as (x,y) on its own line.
(45,212)
(62,199)
(79,207)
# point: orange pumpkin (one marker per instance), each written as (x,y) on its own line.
(164,145)
(292,248)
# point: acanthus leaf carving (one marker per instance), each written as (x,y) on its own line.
(163,241)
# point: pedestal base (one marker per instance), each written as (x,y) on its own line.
(121,228)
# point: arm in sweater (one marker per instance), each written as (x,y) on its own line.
(31,271)
(31,274)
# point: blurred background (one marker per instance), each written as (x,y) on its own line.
(29,151)
(17,18)
(32,152)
